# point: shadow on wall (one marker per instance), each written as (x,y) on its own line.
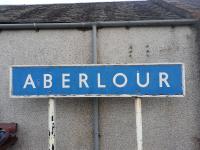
(196,141)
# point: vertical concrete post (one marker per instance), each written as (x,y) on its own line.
(52,124)
(95,100)
(138,113)
(96,123)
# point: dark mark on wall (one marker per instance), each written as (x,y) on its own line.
(130,50)
(147,51)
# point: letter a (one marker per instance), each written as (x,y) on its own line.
(29,81)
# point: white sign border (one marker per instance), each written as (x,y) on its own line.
(98,95)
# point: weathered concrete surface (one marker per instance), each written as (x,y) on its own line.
(169,123)
(74,126)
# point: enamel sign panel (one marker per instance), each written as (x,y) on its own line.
(142,80)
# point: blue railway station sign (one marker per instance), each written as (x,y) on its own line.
(142,80)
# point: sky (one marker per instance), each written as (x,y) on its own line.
(26,2)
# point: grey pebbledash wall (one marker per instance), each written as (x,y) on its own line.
(168,123)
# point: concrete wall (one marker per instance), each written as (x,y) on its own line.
(168,123)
